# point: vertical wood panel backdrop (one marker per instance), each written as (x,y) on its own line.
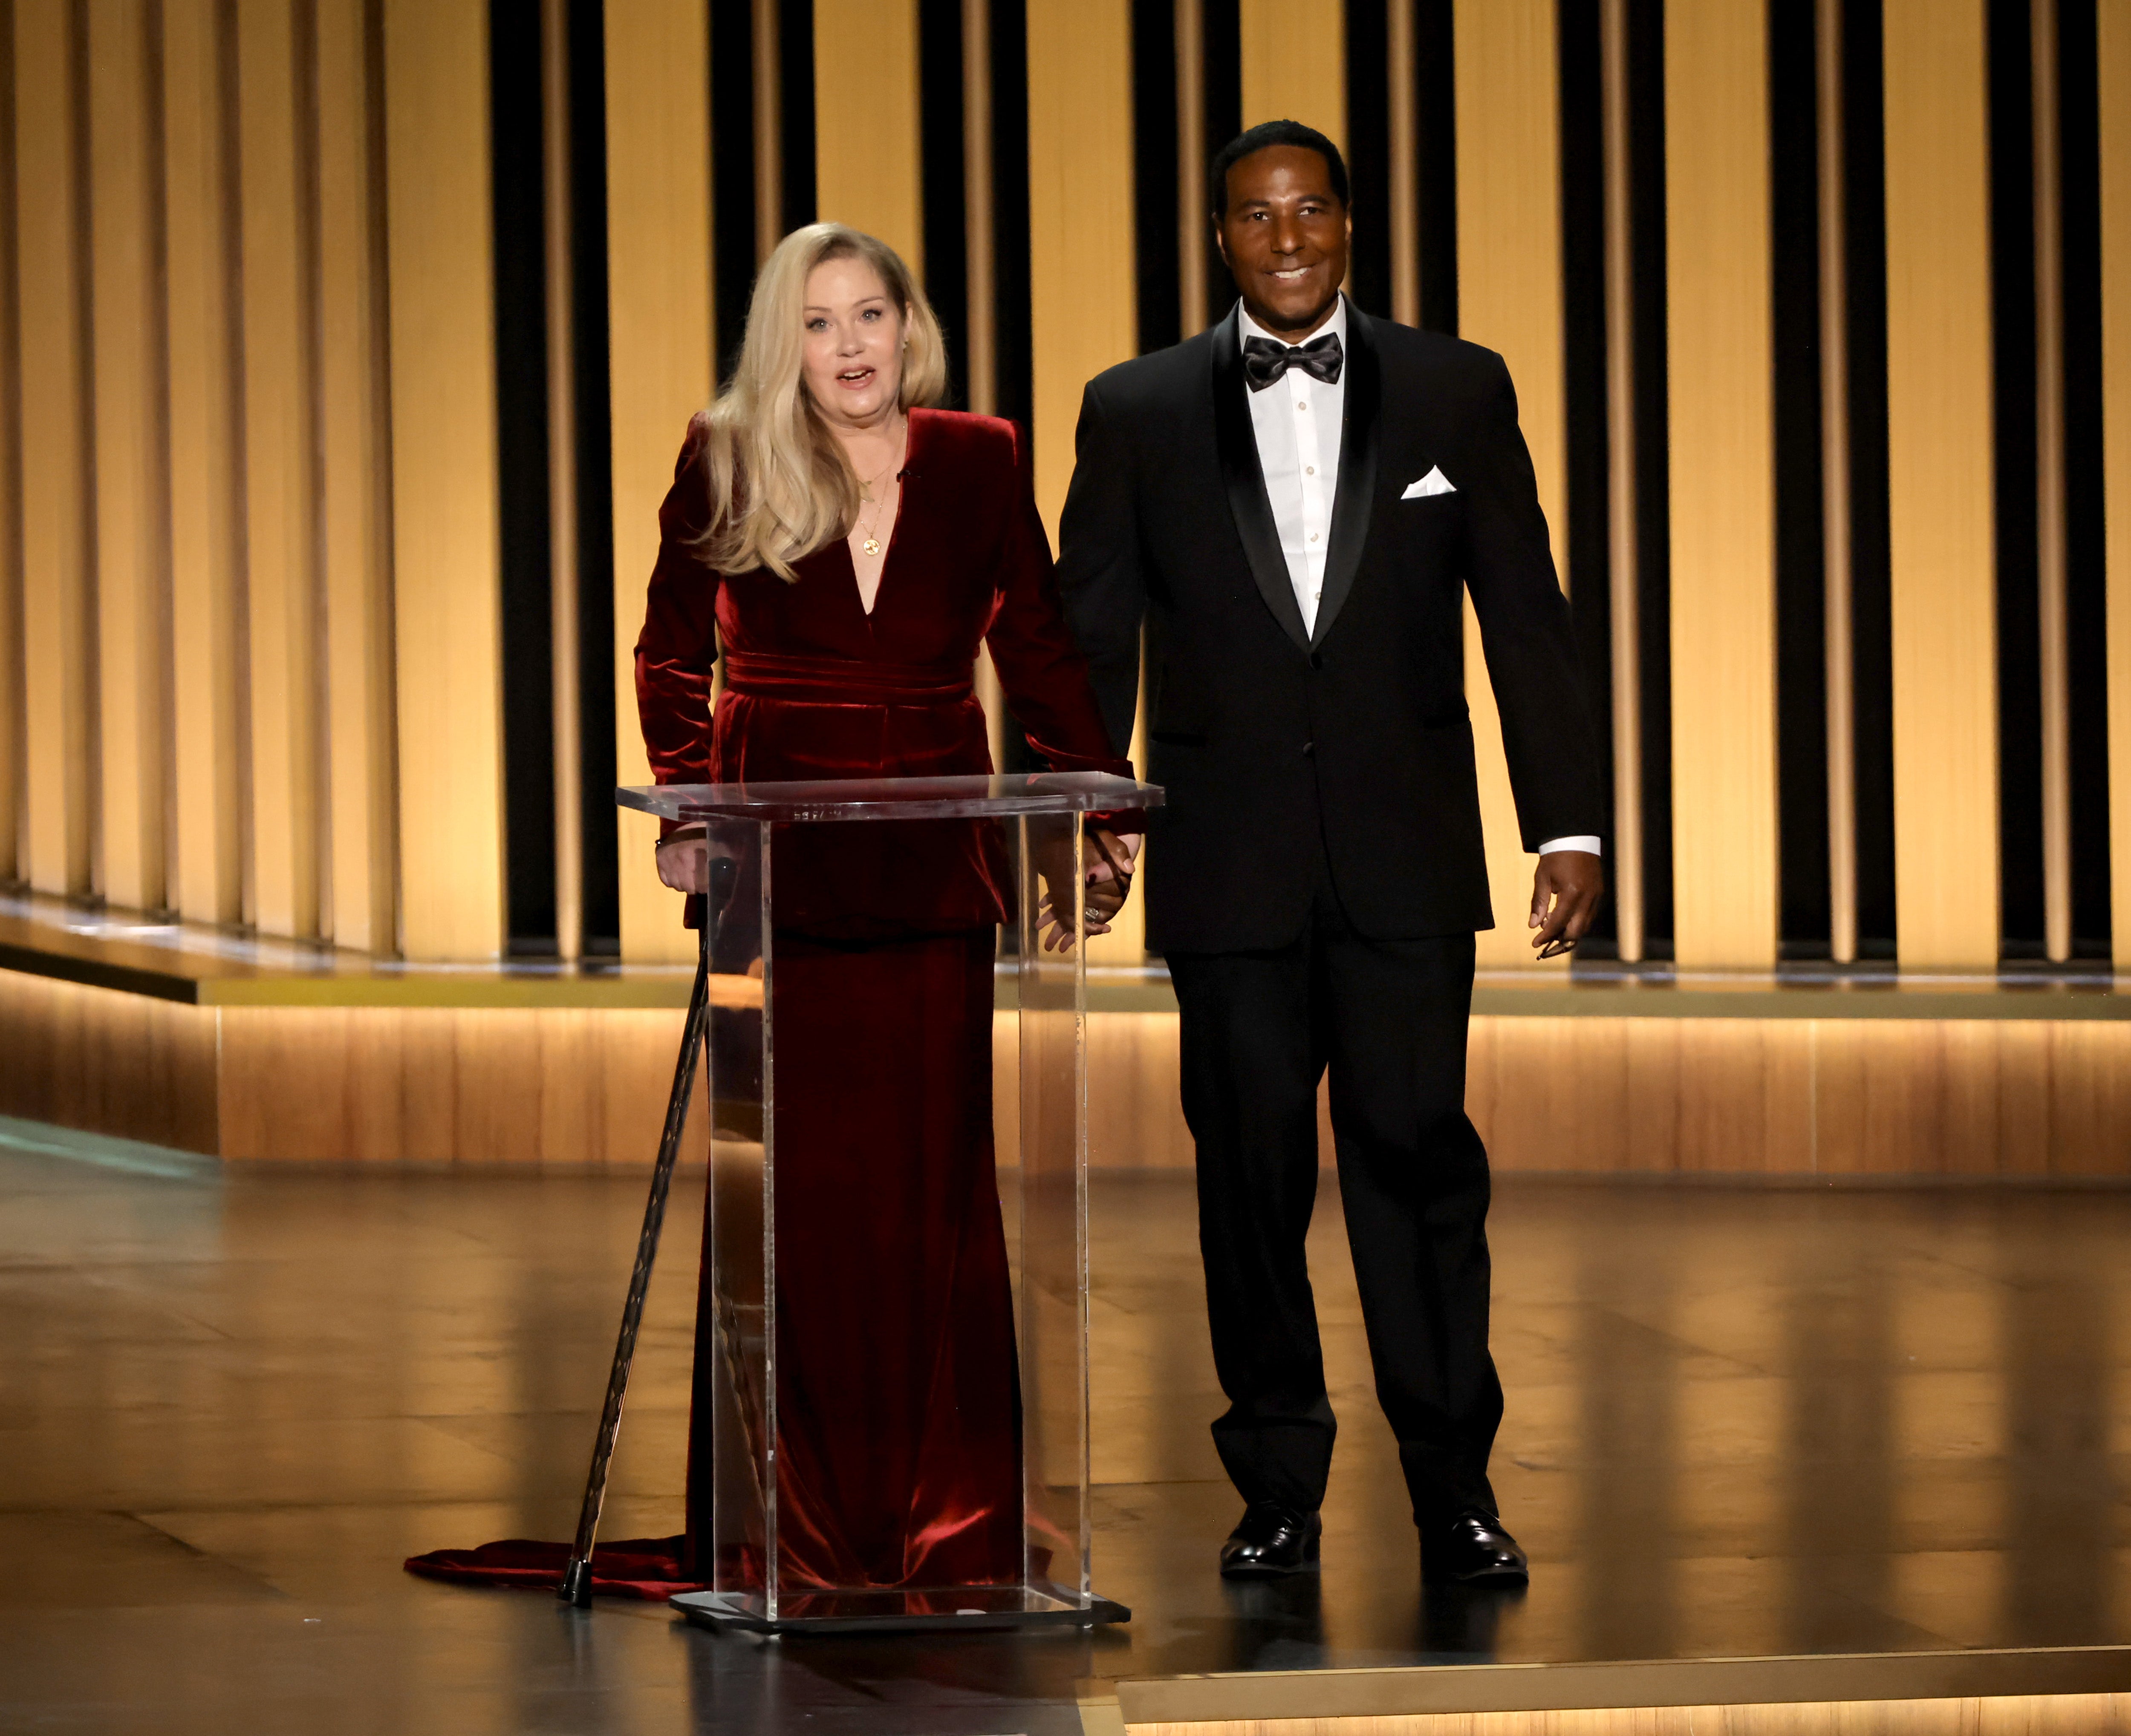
(1082,306)
(660,360)
(356,591)
(446,558)
(56,595)
(1940,480)
(274,162)
(1509,299)
(249,629)
(131,543)
(1295,63)
(865,124)
(1723,484)
(205,537)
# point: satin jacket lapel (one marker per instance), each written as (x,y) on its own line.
(1245,478)
(1355,504)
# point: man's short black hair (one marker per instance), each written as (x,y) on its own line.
(1262,136)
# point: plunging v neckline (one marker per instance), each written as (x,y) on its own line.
(887,552)
(896,529)
(911,440)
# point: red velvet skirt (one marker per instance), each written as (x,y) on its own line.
(898,1414)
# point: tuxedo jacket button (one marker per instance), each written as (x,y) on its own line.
(1310,750)
(1317,660)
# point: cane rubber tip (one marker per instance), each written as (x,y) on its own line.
(577,1587)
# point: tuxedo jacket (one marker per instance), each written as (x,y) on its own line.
(1262,733)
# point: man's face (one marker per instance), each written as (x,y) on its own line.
(1284,236)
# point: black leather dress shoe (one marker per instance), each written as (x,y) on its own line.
(1474,1550)
(1271,1540)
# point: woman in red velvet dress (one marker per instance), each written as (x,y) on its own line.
(849,547)
(850,589)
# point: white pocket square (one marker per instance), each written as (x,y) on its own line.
(1434,483)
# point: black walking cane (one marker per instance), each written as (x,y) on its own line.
(577,1586)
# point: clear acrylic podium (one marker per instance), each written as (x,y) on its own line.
(1042,1156)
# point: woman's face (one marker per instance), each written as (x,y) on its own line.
(854,343)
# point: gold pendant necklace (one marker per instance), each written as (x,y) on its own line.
(871,544)
(870,540)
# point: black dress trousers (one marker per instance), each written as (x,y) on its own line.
(1388,1019)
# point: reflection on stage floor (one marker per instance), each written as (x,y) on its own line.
(1741,1420)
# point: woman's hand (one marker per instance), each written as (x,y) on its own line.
(1106,863)
(684,862)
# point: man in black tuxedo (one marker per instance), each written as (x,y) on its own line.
(1291,503)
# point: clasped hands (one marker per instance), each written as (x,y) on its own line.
(1107,862)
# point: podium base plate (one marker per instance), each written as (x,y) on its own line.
(941,1610)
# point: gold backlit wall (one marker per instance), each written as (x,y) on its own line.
(132,670)
(1295,63)
(865,125)
(205,542)
(61,784)
(1723,483)
(1509,299)
(250,553)
(1941,477)
(1081,251)
(238,580)
(659,360)
(1081,319)
(443,478)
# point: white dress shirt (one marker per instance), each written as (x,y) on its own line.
(1299,420)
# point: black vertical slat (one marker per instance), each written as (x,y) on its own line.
(588,341)
(1872,621)
(732,179)
(1221,67)
(1368,150)
(1800,565)
(1435,139)
(1583,342)
(1010,282)
(2013,332)
(524,526)
(2081,130)
(1155,239)
(795,96)
(944,181)
(1646,152)
(1014,362)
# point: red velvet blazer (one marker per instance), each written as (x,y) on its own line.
(815,687)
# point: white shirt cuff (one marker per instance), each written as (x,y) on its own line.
(1589,846)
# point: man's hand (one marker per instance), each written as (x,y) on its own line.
(1108,861)
(1565,893)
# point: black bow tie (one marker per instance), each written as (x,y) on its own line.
(1265,358)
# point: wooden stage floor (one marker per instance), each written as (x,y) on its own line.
(1742,1420)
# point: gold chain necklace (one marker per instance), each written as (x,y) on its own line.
(870,542)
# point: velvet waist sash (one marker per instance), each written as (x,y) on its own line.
(845,681)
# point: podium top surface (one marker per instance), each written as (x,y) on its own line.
(895,798)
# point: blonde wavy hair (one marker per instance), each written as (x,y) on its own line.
(780,485)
